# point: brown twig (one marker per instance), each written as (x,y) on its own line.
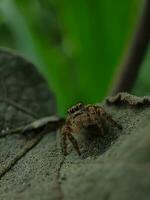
(134,58)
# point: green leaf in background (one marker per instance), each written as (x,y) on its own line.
(142,86)
(76,44)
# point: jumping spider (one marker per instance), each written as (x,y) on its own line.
(81,116)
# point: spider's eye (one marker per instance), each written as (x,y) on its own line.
(75,108)
(80,105)
(71,110)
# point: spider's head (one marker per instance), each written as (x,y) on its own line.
(75,108)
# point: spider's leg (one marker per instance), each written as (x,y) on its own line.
(108,117)
(100,125)
(64,143)
(74,143)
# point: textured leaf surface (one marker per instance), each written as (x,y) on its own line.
(109,168)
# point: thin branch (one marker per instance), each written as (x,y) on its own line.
(19,107)
(137,51)
(28,146)
(48,124)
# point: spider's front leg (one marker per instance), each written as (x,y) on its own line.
(63,131)
(100,125)
(66,133)
(108,117)
(74,143)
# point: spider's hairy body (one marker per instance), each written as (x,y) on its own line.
(81,116)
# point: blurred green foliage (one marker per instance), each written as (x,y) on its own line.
(142,85)
(76,44)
